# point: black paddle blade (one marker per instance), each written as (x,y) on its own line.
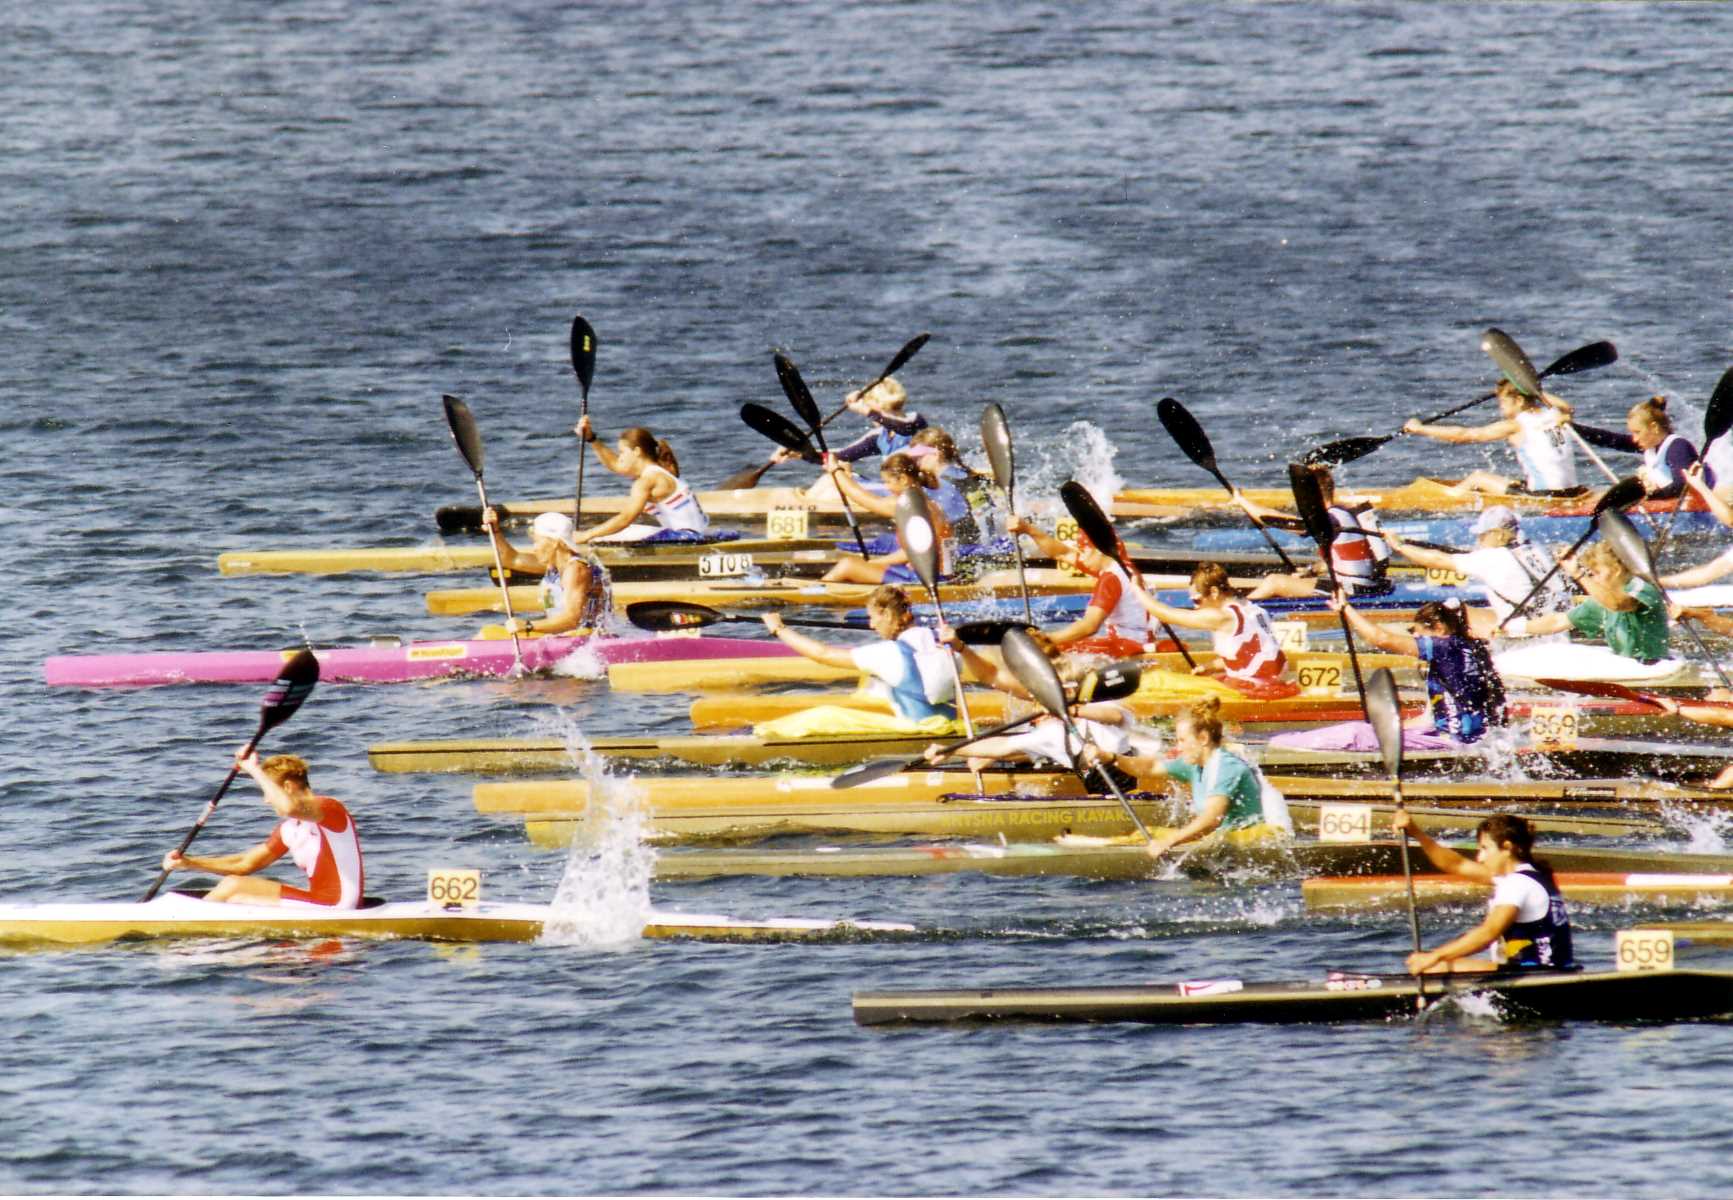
(780,430)
(1718,417)
(914,518)
(583,354)
(464,433)
(1347,450)
(910,348)
(660,616)
(996,439)
(1511,361)
(1309,500)
(1186,433)
(1115,681)
(1621,495)
(1618,532)
(745,479)
(1585,358)
(1091,521)
(289,690)
(799,396)
(1385,710)
(987,633)
(1033,670)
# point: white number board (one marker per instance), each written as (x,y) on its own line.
(451,888)
(1344,822)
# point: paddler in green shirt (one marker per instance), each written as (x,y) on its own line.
(1627,613)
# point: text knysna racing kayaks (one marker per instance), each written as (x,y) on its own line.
(391,663)
(178,915)
(1338,996)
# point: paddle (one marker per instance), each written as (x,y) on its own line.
(1036,673)
(1584,358)
(1618,691)
(661,616)
(468,439)
(751,475)
(1626,491)
(996,439)
(584,367)
(1384,711)
(1717,420)
(1183,428)
(292,686)
(794,387)
(1095,526)
(914,517)
(1633,551)
(1315,514)
(1114,681)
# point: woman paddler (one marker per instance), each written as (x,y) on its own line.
(908,669)
(1628,614)
(657,490)
(1359,552)
(1534,427)
(1505,565)
(1227,792)
(1464,694)
(575,584)
(1249,656)
(900,473)
(1649,432)
(1526,925)
(1114,622)
(892,427)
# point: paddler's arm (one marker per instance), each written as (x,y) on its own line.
(1215,810)
(1381,636)
(1698,576)
(848,485)
(1498,920)
(245,863)
(1463,435)
(1189,618)
(1703,714)
(1082,627)
(980,667)
(1708,618)
(510,557)
(1269,516)
(1697,483)
(1049,545)
(586,432)
(1421,556)
(806,647)
(576,581)
(630,511)
(1440,856)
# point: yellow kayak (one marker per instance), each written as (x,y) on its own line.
(438,559)
(1420,495)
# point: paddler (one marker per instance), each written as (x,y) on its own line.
(574,582)
(316,831)
(1114,622)
(1627,613)
(1649,432)
(1464,694)
(1227,792)
(1534,427)
(892,429)
(900,473)
(1505,565)
(1359,553)
(657,489)
(1714,709)
(1526,924)
(908,668)
(1248,655)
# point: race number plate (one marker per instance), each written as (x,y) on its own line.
(1344,822)
(786,524)
(1445,577)
(453,888)
(1066,531)
(1290,635)
(1554,726)
(1643,949)
(1319,679)
(724,566)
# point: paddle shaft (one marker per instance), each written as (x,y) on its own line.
(1269,537)
(956,678)
(211,807)
(1547,578)
(1072,733)
(1022,571)
(504,579)
(847,508)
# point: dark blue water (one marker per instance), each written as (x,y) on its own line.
(247,247)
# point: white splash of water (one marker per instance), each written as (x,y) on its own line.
(1706,829)
(582,663)
(1084,453)
(603,899)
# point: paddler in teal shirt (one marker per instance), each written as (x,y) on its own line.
(1627,613)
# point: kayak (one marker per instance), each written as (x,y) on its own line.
(395,663)
(1623,996)
(1690,879)
(1585,662)
(180,915)
(633,560)
(1548,527)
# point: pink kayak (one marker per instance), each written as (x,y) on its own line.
(392,663)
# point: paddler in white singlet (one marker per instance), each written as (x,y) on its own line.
(1534,428)
(1358,553)
(1113,621)
(1503,563)
(316,831)
(1649,432)
(1248,655)
(657,492)
(575,584)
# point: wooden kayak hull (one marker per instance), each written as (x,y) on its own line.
(1619,996)
(1689,879)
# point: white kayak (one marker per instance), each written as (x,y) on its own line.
(179,915)
(1587,663)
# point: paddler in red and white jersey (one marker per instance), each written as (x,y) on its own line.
(1113,622)
(316,831)
(575,584)
(657,489)
(1249,656)
(1358,553)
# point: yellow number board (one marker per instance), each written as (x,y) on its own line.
(1554,726)
(1445,577)
(786,524)
(450,888)
(1066,531)
(1643,949)
(1319,679)
(1344,822)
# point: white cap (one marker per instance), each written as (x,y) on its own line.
(555,526)
(1496,517)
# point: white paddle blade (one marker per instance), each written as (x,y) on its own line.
(914,519)
(1385,709)
(1033,670)
(1627,543)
